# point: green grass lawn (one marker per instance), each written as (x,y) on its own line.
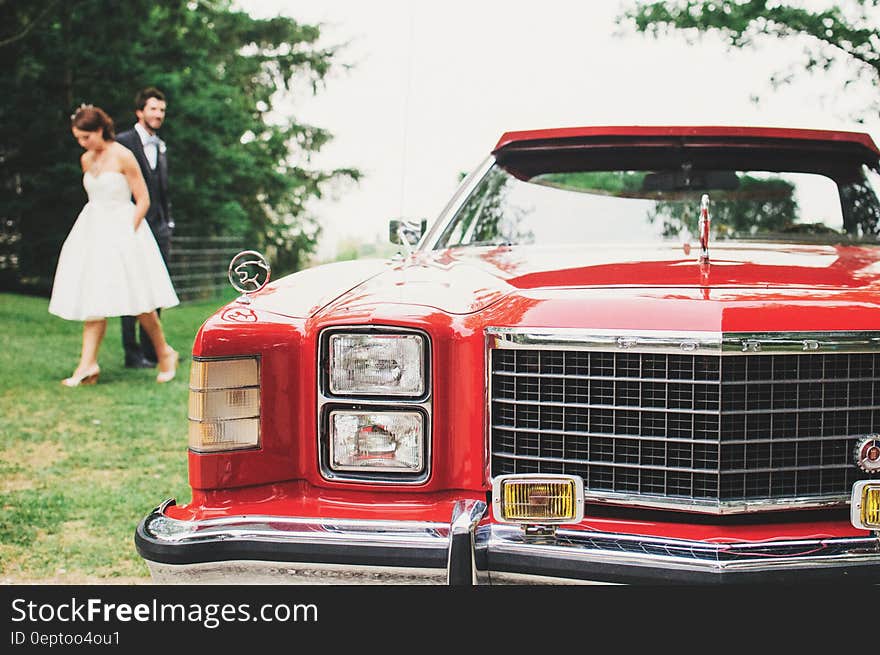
(80,467)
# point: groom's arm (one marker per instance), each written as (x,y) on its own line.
(163,162)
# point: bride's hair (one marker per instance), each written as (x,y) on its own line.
(90,119)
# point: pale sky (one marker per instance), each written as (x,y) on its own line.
(434,85)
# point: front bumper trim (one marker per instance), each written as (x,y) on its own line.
(469,549)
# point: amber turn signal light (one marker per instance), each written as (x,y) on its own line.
(534,499)
(866,505)
(224,404)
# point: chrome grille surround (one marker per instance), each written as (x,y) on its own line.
(696,421)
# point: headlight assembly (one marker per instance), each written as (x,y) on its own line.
(375,405)
(366,364)
(377,441)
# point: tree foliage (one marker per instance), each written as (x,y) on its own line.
(844,33)
(237,169)
(754,207)
(759,207)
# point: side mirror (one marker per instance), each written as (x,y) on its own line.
(406,233)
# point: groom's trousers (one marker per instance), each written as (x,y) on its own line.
(138,347)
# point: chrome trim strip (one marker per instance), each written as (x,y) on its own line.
(684,342)
(318,531)
(490,539)
(719,508)
(661,467)
(800,342)
(461,195)
(264,572)
(655,341)
(683,440)
(505,578)
(685,555)
(678,410)
(461,563)
(631,378)
(465,516)
(633,408)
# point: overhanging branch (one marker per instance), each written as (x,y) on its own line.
(30,26)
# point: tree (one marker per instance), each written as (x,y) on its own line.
(758,208)
(845,33)
(752,207)
(237,168)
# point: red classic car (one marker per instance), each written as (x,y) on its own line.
(620,354)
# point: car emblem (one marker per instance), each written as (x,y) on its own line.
(867,453)
(249,272)
(239,315)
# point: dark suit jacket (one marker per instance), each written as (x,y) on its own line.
(159,214)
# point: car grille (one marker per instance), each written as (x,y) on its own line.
(716,432)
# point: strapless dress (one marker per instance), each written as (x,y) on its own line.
(106,267)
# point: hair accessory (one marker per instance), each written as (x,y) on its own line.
(80,108)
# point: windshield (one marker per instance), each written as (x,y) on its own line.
(645,206)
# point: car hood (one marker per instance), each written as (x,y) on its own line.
(469,280)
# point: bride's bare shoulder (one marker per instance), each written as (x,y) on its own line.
(124,154)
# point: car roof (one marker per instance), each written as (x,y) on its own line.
(559,136)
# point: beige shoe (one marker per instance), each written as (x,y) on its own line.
(167,374)
(88,377)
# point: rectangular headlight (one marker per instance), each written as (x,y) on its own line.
(377,364)
(377,441)
(224,404)
(538,498)
(866,505)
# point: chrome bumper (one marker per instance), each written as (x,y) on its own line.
(469,549)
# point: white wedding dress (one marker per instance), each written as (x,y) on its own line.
(106,268)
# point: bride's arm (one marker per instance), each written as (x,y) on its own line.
(138,186)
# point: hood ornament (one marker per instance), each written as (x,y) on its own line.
(705,223)
(248,272)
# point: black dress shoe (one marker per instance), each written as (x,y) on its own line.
(139,363)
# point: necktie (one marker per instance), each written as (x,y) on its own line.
(152,145)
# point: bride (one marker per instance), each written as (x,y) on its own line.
(110,264)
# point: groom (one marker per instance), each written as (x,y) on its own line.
(149,150)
